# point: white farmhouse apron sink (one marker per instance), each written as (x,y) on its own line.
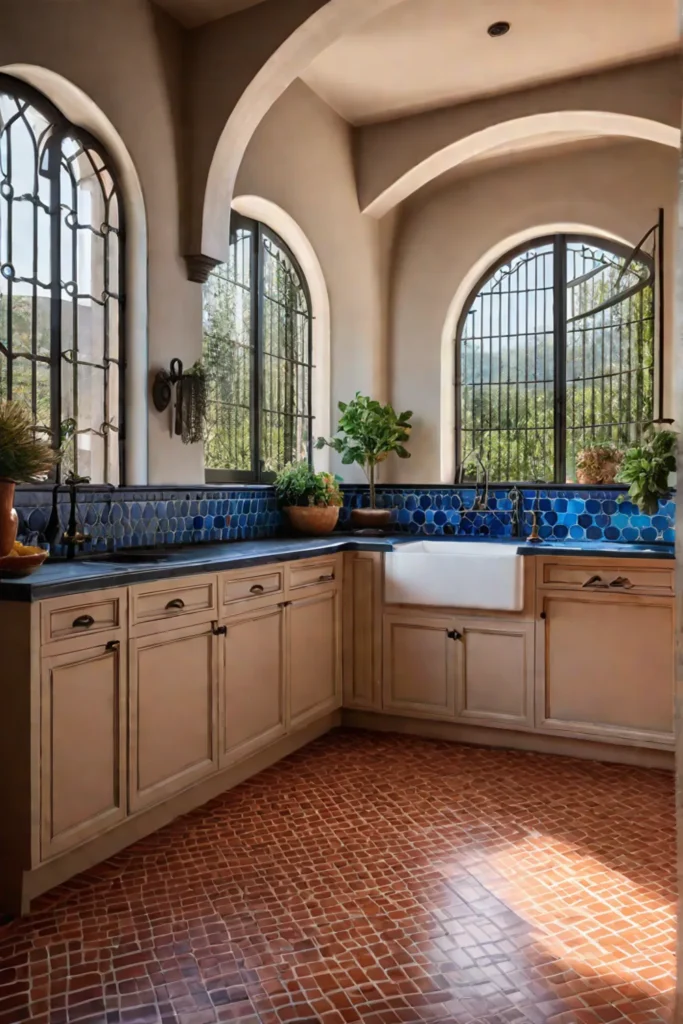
(455,574)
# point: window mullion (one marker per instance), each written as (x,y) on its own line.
(54,170)
(560,355)
(257,344)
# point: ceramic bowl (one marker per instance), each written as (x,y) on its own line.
(22,562)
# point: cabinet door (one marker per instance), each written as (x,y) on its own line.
(498,677)
(314,678)
(422,664)
(83,745)
(362,659)
(606,666)
(173,712)
(252,705)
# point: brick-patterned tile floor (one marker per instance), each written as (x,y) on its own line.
(379,879)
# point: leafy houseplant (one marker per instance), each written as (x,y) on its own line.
(24,458)
(311,500)
(369,433)
(646,467)
(598,463)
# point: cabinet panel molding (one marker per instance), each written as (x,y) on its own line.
(422,665)
(362,647)
(173,683)
(314,657)
(83,745)
(498,676)
(252,696)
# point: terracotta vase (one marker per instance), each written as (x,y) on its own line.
(316,520)
(9,520)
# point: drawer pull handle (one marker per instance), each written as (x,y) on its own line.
(595,582)
(256,589)
(219,630)
(83,622)
(326,579)
(453,634)
(113,645)
(621,583)
(177,602)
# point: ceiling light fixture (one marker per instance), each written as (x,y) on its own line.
(499,28)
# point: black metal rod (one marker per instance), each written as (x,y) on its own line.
(560,355)
(661,310)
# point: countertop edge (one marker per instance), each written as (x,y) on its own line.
(92,576)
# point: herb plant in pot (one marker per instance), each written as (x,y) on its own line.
(598,463)
(369,433)
(24,459)
(311,500)
(647,468)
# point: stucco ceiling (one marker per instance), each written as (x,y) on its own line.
(431,53)
(197,12)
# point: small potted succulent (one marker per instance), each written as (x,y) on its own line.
(311,500)
(24,459)
(370,432)
(598,463)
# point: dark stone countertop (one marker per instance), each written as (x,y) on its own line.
(58,578)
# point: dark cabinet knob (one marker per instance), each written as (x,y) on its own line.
(621,583)
(177,602)
(595,582)
(256,589)
(113,645)
(326,579)
(453,634)
(219,630)
(83,622)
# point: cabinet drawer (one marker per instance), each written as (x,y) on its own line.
(627,577)
(82,616)
(252,586)
(313,574)
(193,598)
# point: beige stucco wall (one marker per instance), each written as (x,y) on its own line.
(127,57)
(445,231)
(301,159)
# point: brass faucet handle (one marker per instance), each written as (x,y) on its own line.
(77,538)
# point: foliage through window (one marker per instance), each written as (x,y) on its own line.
(556,351)
(258,359)
(61,282)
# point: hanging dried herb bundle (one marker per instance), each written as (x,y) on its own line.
(192,399)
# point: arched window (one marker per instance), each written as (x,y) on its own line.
(61,282)
(258,358)
(556,351)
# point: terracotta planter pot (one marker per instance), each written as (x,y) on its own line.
(9,520)
(316,520)
(370,518)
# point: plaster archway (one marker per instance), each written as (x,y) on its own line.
(274,217)
(582,123)
(455,310)
(83,111)
(297,50)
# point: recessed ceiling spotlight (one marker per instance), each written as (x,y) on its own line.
(499,28)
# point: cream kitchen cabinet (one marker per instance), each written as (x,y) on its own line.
(314,656)
(362,640)
(252,689)
(605,666)
(459,669)
(83,744)
(173,711)
(422,665)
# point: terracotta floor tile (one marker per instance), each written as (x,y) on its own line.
(381,879)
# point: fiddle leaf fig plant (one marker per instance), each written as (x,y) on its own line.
(647,467)
(368,432)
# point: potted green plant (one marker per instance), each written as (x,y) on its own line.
(311,500)
(24,459)
(598,463)
(647,468)
(370,432)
